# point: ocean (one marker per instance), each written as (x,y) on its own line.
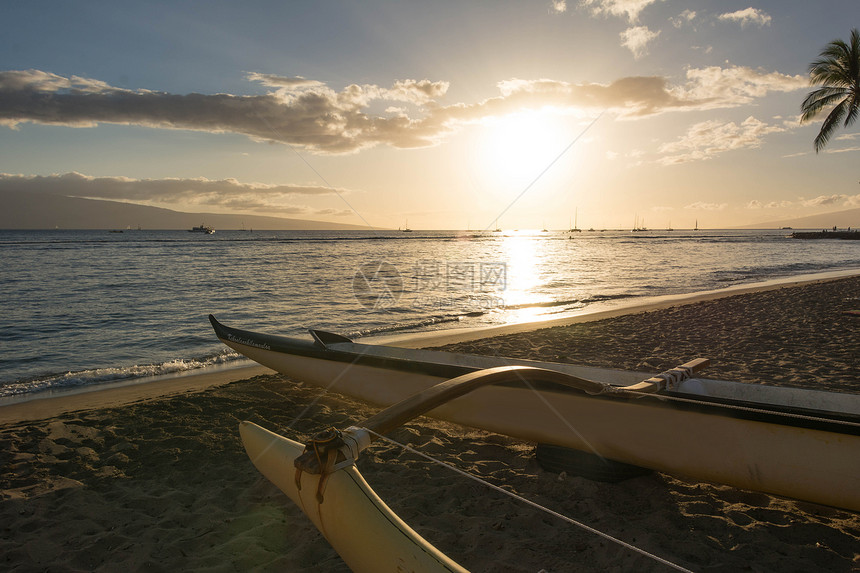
(91,307)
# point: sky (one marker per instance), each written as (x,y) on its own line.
(435,115)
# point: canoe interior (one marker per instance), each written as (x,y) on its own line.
(448,365)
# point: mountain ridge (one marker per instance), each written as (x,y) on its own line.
(841,219)
(22,210)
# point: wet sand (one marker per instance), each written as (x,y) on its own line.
(160,482)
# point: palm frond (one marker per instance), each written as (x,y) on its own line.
(820,99)
(851,116)
(837,71)
(828,128)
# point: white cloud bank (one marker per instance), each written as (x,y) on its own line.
(708,139)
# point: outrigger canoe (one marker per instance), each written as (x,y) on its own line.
(322,480)
(798,443)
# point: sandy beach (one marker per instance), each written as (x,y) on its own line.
(155,481)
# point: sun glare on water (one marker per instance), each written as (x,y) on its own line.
(522,253)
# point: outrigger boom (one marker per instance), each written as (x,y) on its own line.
(319,456)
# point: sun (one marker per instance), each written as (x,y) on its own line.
(518,147)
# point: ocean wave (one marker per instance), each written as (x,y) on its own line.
(763,272)
(412,325)
(568,302)
(66,380)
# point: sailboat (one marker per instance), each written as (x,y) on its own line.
(406,229)
(575,228)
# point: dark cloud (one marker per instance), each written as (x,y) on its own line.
(309,114)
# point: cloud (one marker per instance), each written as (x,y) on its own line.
(685,17)
(848,137)
(705,89)
(836,200)
(301,112)
(843,150)
(756,204)
(620,8)
(747,16)
(310,115)
(37,80)
(708,139)
(271,80)
(633,96)
(829,200)
(558,6)
(225,193)
(636,40)
(702,206)
(335,212)
(418,92)
(737,85)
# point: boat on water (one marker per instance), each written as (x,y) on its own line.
(206,229)
(575,228)
(792,442)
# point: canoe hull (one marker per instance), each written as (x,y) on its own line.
(773,453)
(363,530)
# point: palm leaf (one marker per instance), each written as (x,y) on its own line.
(837,71)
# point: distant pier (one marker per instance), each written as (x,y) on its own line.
(845,235)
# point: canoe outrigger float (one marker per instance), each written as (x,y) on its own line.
(792,442)
(367,535)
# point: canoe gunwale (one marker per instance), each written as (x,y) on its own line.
(807,418)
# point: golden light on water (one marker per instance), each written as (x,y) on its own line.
(524,252)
